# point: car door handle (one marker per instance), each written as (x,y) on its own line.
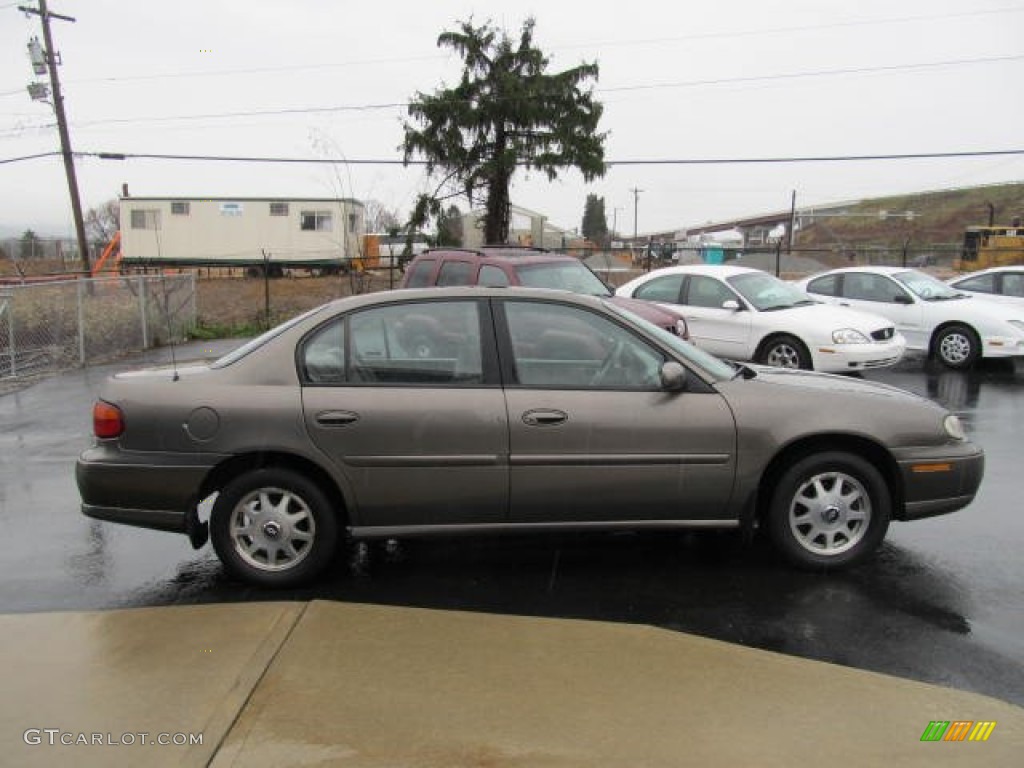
(844,304)
(544,418)
(336,418)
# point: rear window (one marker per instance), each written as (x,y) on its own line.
(455,273)
(562,275)
(419,273)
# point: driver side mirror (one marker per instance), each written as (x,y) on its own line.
(902,298)
(732,304)
(673,377)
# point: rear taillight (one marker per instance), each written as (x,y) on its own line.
(107,420)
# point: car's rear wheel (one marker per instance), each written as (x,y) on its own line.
(273,527)
(829,510)
(957,346)
(785,351)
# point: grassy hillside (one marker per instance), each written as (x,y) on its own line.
(940,218)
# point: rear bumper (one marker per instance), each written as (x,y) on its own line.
(146,490)
(937,481)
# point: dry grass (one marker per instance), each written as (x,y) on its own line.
(241,301)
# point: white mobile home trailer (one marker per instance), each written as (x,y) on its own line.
(241,231)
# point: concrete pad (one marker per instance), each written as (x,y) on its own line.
(118,674)
(364,685)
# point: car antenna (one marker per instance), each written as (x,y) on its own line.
(170,328)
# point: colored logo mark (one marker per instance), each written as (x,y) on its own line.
(958,730)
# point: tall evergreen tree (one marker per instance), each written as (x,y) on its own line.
(595,224)
(506,113)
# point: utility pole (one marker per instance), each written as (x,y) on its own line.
(636,203)
(792,223)
(62,125)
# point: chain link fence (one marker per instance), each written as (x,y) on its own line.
(46,327)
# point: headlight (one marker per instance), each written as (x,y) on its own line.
(953,427)
(848,336)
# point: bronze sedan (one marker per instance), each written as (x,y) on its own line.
(483,410)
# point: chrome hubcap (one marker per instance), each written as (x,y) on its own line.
(783,356)
(955,348)
(830,513)
(272,529)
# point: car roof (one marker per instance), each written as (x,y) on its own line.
(868,268)
(991,270)
(500,253)
(461,292)
(717,270)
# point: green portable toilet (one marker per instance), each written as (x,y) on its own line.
(714,254)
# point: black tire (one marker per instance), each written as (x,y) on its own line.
(785,351)
(957,346)
(829,510)
(292,540)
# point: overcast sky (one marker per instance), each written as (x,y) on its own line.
(728,79)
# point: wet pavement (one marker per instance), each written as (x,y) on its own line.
(940,603)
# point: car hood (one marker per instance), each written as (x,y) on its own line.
(653,313)
(982,306)
(831,383)
(833,318)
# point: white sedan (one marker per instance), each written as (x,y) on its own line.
(746,314)
(1003,285)
(935,318)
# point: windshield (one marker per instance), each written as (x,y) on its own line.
(698,357)
(562,275)
(237,354)
(926,286)
(766,292)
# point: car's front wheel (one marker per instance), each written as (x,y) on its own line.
(273,527)
(785,351)
(957,346)
(829,510)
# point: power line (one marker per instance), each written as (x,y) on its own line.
(617,89)
(816,73)
(620,43)
(23,158)
(631,162)
(798,28)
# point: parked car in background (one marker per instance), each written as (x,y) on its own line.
(747,314)
(1003,285)
(935,318)
(503,265)
(536,411)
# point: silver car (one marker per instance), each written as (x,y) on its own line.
(532,411)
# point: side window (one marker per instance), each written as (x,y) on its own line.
(419,273)
(455,273)
(561,347)
(708,292)
(664,289)
(1013,284)
(323,355)
(427,343)
(492,276)
(867,287)
(824,286)
(980,283)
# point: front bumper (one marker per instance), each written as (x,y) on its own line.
(939,480)
(147,490)
(840,358)
(1002,346)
